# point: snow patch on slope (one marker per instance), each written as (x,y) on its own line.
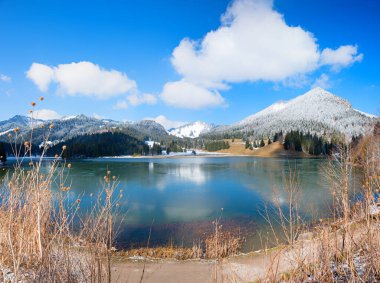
(6,132)
(192,130)
(66,118)
(366,114)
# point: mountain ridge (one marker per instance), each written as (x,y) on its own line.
(317,111)
(67,128)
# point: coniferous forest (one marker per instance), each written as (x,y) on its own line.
(216,145)
(103,144)
(311,144)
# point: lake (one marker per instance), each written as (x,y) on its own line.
(178,198)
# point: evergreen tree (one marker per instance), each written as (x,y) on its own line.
(217,145)
(287,142)
(262,143)
(246,144)
(376,130)
(275,138)
(3,154)
(173,147)
(156,149)
(312,144)
(100,144)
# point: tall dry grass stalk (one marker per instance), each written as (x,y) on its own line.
(345,248)
(284,212)
(221,244)
(44,236)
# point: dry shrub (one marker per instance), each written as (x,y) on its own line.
(346,248)
(216,245)
(288,217)
(221,244)
(170,252)
(43,234)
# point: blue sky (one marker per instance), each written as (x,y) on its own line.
(212,60)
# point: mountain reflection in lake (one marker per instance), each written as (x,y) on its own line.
(178,198)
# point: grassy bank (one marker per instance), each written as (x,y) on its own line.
(275,149)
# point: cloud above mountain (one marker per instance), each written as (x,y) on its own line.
(81,78)
(88,79)
(341,57)
(45,114)
(253,43)
(167,123)
(322,81)
(184,94)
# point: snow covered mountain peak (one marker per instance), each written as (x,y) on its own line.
(320,95)
(66,118)
(192,130)
(275,107)
(317,111)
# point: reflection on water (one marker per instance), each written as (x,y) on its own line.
(188,173)
(178,198)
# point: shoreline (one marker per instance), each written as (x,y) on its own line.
(202,154)
(220,155)
(243,267)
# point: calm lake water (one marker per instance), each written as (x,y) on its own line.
(178,198)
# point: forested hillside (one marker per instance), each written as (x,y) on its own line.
(103,144)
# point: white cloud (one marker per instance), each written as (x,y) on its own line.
(41,75)
(82,78)
(45,114)
(121,104)
(167,123)
(141,98)
(322,81)
(341,57)
(136,99)
(188,95)
(5,78)
(253,43)
(97,116)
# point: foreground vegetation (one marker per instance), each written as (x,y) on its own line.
(44,235)
(344,248)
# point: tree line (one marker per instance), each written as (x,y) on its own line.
(101,144)
(3,154)
(311,144)
(216,145)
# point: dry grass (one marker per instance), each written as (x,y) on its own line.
(216,245)
(178,253)
(275,149)
(44,236)
(221,244)
(347,247)
(288,219)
